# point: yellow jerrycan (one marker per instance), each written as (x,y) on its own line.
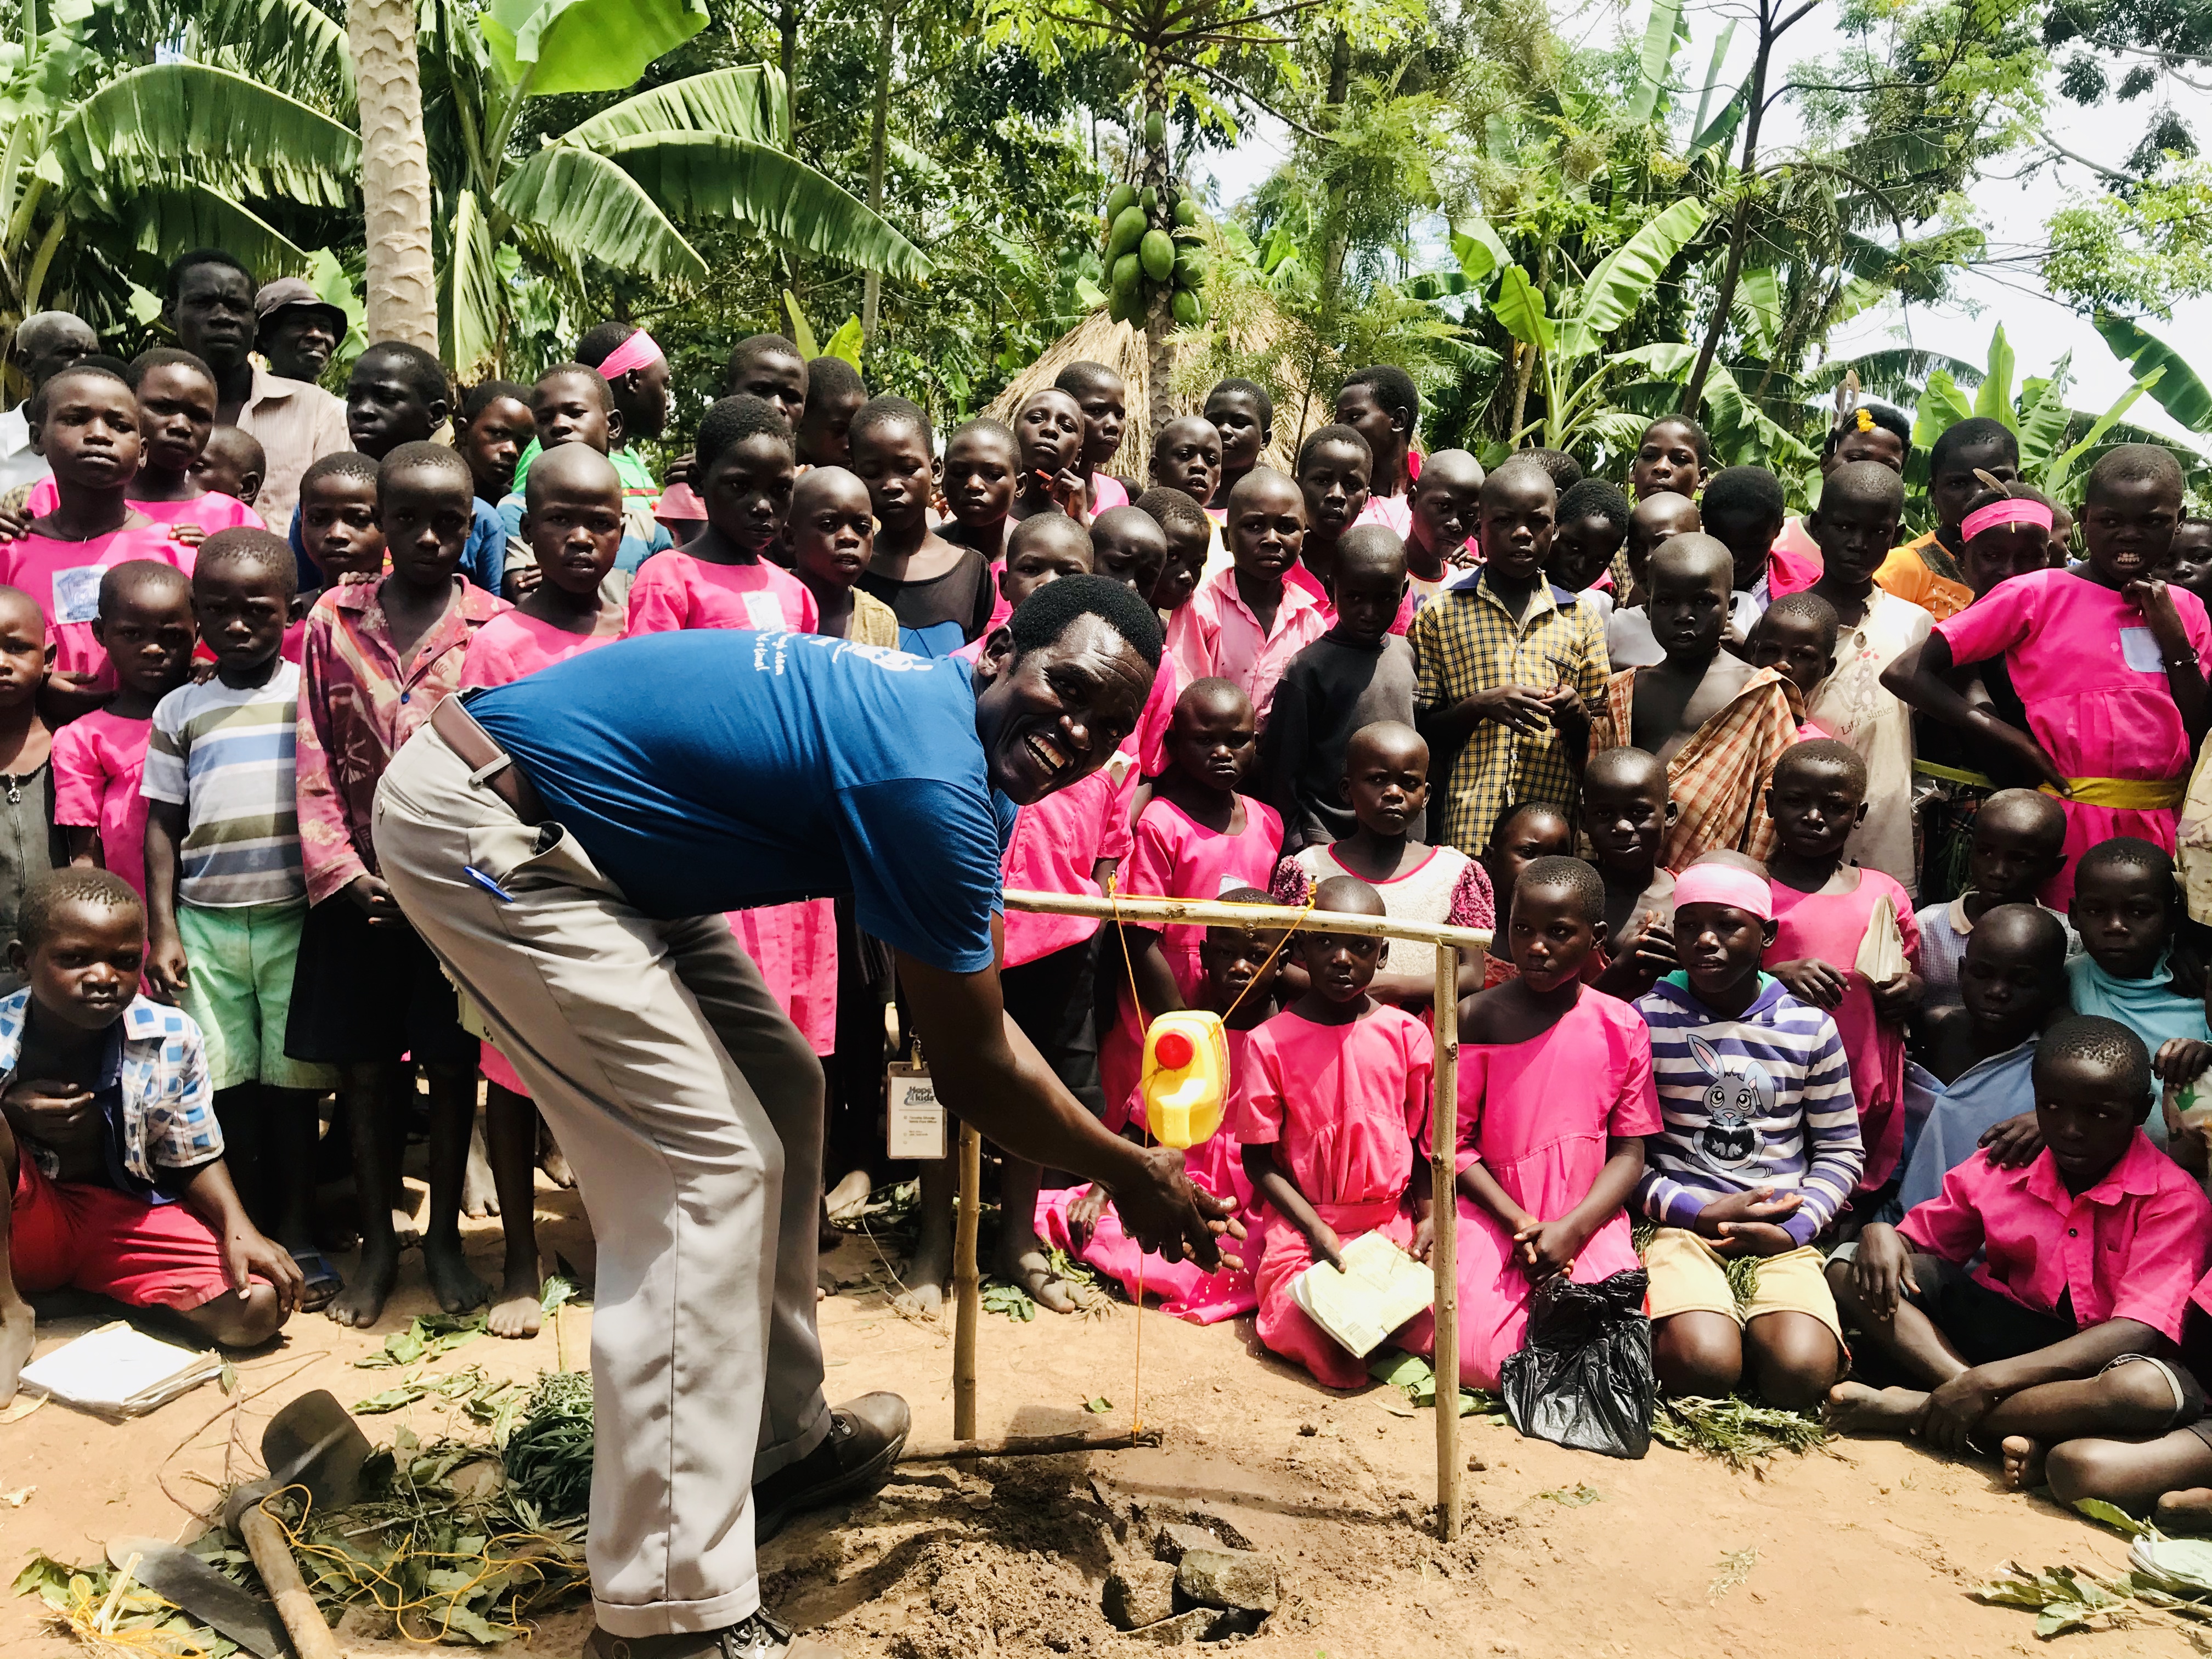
(1186,1077)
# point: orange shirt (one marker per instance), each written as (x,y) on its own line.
(1907,573)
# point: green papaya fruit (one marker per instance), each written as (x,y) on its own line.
(1189,270)
(1156,128)
(1186,211)
(1115,311)
(1128,272)
(1189,310)
(1119,198)
(1158,254)
(1129,227)
(1149,199)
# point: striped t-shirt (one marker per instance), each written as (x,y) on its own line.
(225,754)
(1761,1100)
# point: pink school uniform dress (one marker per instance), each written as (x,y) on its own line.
(673,590)
(2089,671)
(63,578)
(1830,926)
(1343,1105)
(211,510)
(1538,1115)
(1174,856)
(1216,635)
(99,759)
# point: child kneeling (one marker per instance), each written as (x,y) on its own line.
(115,1182)
(1333,1095)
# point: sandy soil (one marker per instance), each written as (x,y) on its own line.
(1870,1549)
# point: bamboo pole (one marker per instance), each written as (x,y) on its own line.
(968,1309)
(1204,913)
(1444,1249)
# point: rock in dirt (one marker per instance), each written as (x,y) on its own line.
(1202,1532)
(1142,1593)
(1229,1579)
(1184,1630)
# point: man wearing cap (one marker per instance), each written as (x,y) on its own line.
(211,305)
(47,342)
(299,329)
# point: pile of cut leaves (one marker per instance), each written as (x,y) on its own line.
(2168,1581)
(452,1540)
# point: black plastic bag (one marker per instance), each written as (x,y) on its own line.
(1583,1377)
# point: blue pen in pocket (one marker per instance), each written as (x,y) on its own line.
(487,883)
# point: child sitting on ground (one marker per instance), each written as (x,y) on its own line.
(1824,915)
(1244,624)
(1555,1097)
(225,897)
(1759,1154)
(830,537)
(1351,677)
(112,1179)
(1796,636)
(1331,1102)
(1239,967)
(2019,836)
(940,591)
(1525,831)
(233,465)
(1981,1348)
(1627,813)
(1718,723)
(379,657)
(722,577)
(1445,502)
(1187,456)
(1654,520)
(146,627)
(2013,980)
(980,461)
(1386,780)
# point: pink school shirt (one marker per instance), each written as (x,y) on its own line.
(98,759)
(63,578)
(1216,634)
(512,644)
(2132,1247)
(211,510)
(675,591)
(1343,1104)
(1056,842)
(2087,669)
(1394,513)
(1106,494)
(1830,926)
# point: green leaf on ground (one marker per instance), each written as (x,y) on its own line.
(1098,1407)
(1578,1496)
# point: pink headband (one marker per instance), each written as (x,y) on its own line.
(1723,884)
(638,351)
(2014,509)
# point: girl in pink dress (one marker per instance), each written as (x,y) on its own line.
(1555,1097)
(1332,1099)
(1196,838)
(1822,909)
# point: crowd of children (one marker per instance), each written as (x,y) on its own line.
(1837,883)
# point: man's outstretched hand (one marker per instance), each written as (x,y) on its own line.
(1163,1213)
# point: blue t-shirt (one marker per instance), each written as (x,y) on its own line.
(718,769)
(484,556)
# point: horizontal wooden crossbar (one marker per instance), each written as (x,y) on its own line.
(1207,913)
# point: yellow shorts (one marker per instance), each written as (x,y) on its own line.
(1689,1276)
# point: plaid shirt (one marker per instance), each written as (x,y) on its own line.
(168,1110)
(1466,640)
(358,703)
(1718,778)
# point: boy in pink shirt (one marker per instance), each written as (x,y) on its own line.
(1245,624)
(145,625)
(1333,1098)
(2089,1253)
(1190,532)
(86,424)
(2106,664)
(722,577)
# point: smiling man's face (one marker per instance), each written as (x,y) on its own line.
(1052,715)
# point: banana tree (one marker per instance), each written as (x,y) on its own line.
(613,189)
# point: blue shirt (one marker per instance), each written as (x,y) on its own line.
(483,556)
(718,769)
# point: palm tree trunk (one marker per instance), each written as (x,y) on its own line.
(872,290)
(395,173)
(1159,365)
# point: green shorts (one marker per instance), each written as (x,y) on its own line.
(240,992)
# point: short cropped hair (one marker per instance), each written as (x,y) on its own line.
(485,393)
(1745,489)
(1594,498)
(1812,607)
(245,546)
(890,410)
(1566,471)
(1081,375)
(2125,853)
(84,368)
(424,456)
(50,894)
(135,576)
(833,377)
(1698,439)
(1253,390)
(203,256)
(2100,1041)
(1334,434)
(1050,612)
(165,357)
(2127,464)
(1580,880)
(342,464)
(760,345)
(1889,419)
(731,421)
(1392,388)
(1174,509)
(424,373)
(987,425)
(1513,809)
(597,343)
(580,371)
(1824,752)
(1971,432)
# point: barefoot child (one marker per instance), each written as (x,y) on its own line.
(831,536)
(723,577)
(1333,1098)
(2104,663)
(1973,1342)
(225,899)
(1244,624)
(1244,415)
(26,804)
(1718,723)
(1823,908)
(940,591)
(1980,1049)
(379,657)
(145,626)
(2017,847)
(1386,778)
(112,1179)
(1555,1097)
(1796,636)
(1626,812)
(233,464)
(1759,1152)
(1354,675)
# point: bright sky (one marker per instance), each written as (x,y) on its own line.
(2012,210)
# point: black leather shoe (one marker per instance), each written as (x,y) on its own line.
(866,1436)
(757,1637)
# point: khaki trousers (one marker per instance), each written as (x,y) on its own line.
(691,1110)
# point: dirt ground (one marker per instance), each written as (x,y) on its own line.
(1866,1549)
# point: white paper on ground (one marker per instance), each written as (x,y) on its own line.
(120,1371)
